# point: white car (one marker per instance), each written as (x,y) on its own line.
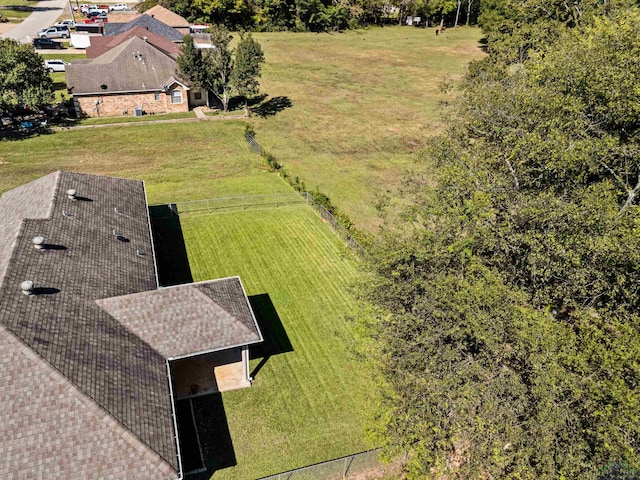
(66,23)
(54,32)
(119,7)
(55,65)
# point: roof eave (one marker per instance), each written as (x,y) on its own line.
(217,349)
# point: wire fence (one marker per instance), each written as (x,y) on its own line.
(222,204)
(255,146)
(337,227)
(339,468)
(225,204)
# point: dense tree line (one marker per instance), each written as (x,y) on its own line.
(317,15)
(503,312)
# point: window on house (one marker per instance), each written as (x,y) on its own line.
(176,96)
(197,95)
(157,95)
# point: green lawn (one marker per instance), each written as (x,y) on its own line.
(346,112)
(362,103)
(306,405)
(182,161)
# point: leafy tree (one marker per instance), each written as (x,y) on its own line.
(23,78)
(248,65)
(504,315)
(220,71)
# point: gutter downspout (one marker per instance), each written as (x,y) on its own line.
(175,422)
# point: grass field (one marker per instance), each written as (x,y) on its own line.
(185,161)
(362,103)
(345,112)
(308,399)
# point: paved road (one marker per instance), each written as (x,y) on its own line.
(44,14)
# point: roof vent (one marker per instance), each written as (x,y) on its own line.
(71,193)
(144,38)
(38,242)
(27,287)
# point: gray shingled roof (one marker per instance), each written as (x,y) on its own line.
(51,430)
(85,388)
(100,45)
(99,247)
(132,66)
(33,200)
(148,22)
(188,319)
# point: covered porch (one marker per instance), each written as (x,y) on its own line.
(209,373)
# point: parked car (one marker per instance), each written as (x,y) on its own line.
(55,65)
(54,32)
(47,43)
(66,23)
(98,9)
(118,7)
(97,17)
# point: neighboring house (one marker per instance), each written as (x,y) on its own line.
(169,18)
(93,354)
(159,13)
(100,45)
(147,22)
(133,77)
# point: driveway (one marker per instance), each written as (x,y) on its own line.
(44,14)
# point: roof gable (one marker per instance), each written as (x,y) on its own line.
(188,319)
(168,17)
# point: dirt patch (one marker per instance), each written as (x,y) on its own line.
(393,471)
(5,27)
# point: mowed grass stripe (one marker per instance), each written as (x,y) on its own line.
(307,405)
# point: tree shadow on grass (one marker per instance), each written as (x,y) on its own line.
(171,251)
(276,340)
(272,106)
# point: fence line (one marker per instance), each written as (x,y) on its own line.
(213,205)
(275,200)
(337,227)
(255,146)
(325,214)
(338,468)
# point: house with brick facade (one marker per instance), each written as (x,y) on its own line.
(95,355)
(133,77)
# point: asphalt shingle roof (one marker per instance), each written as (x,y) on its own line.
(83,360)
(148,22)
(188,319)
(33,200)
(100,45)
(132,66)
(51,430)
(98,246)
